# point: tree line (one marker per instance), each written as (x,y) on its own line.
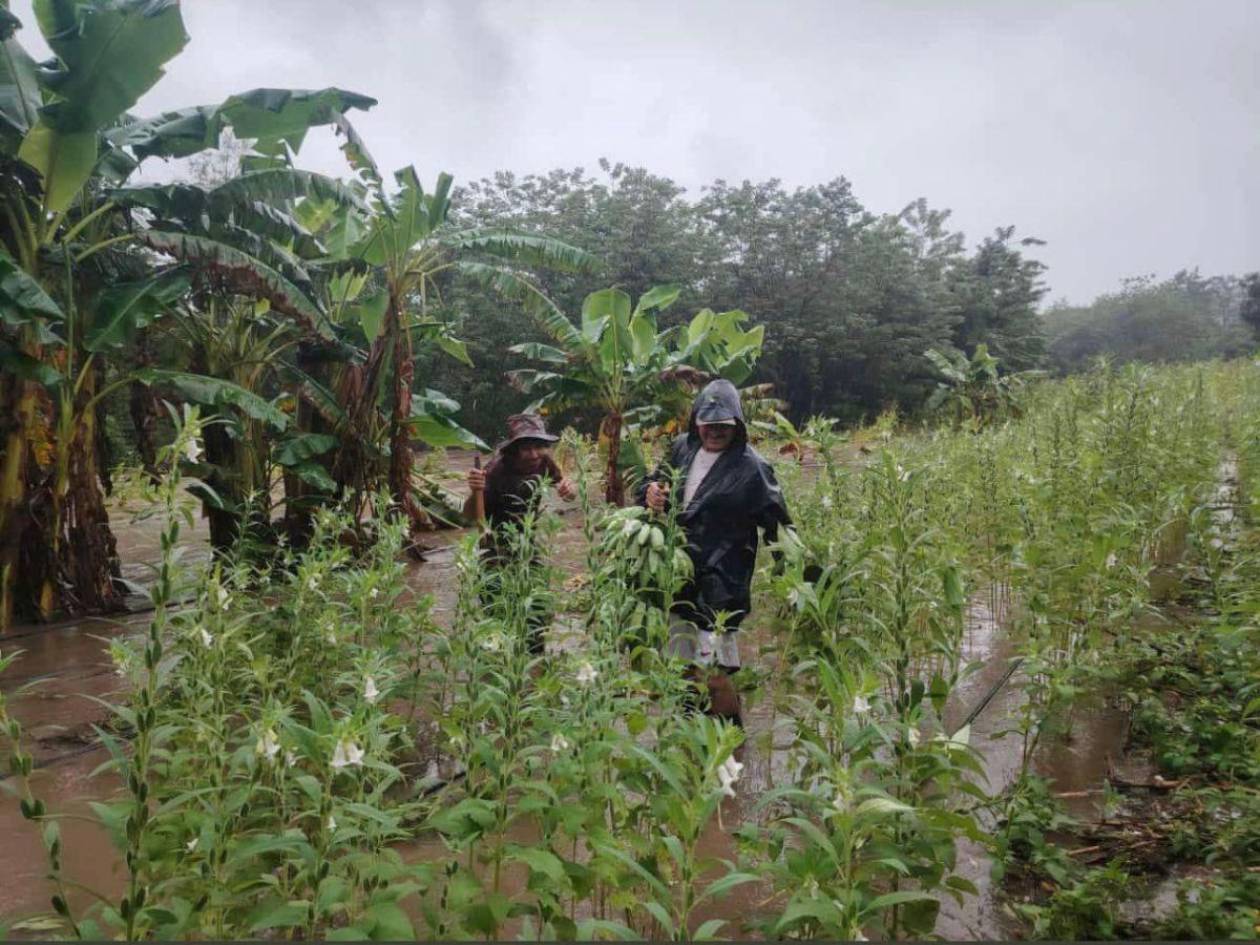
(851,299)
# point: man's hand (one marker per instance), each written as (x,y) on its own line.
(477,480)
(567,490)
(656,497)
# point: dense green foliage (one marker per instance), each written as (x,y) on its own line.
(392,770)
(1185,318)
(850,299)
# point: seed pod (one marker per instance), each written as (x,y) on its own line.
(658,538)
(645,533)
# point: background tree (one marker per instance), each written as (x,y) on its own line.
(1185,318)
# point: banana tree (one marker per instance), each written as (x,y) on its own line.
(405,250)
(972,388)
(74,278)
(620,363)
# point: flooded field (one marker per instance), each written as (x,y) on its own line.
(56,690)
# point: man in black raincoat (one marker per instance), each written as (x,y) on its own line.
(725,492)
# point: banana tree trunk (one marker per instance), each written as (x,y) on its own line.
(89,550)
(614,488)
(224,520)
(400,484)
(142,405)
(82,541)
(28,567)
(298,510)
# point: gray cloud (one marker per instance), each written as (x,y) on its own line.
(1123,133)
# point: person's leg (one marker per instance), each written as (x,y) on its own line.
(713,658)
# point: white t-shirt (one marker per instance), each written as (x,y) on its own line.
(700,467)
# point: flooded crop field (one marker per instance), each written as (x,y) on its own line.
(973,734)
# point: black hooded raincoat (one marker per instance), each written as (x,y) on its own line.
(739,495)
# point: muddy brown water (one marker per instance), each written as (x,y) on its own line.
(65,664)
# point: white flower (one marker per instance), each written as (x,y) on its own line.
(224,597)
(826,502)
(191,844)
(586,674)
(842,799)
(290,759)
(728,773)
(192,450)
(206,637)
(1111,561)
(312,583)
(492,643)
(268,745)
(559,743)
(281,540)
(913,735)
(347,754)
(374,593)
(860,705)
(370,692)
(332,823)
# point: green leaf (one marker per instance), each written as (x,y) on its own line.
(123,308)
(658,298)
(455,348)
(388,923)
(277,914)
(314,474)
(709,929)
(540,352)
(302,447)
(658,912)
(113,52)
(438,430)
(888,900)
(22,299)
(523,250)
(23,366)
(63,159)
(820,910)
(883,805)
(725,884)
(19,88)
(241,273)
(216,392)
(371,314)
(540,861)
(285,113)
(284,186)
(601,308)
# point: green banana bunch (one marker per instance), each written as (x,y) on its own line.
(633,539)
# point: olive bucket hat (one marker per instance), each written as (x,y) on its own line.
(526,426)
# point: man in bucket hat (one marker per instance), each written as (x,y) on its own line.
(510,485)
(725,492)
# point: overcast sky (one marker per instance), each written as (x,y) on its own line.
(1125,134)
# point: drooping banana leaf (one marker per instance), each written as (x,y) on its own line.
(242,273)
(523,250)
(260,113)
(121,309)
(216,392)
(19,87)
